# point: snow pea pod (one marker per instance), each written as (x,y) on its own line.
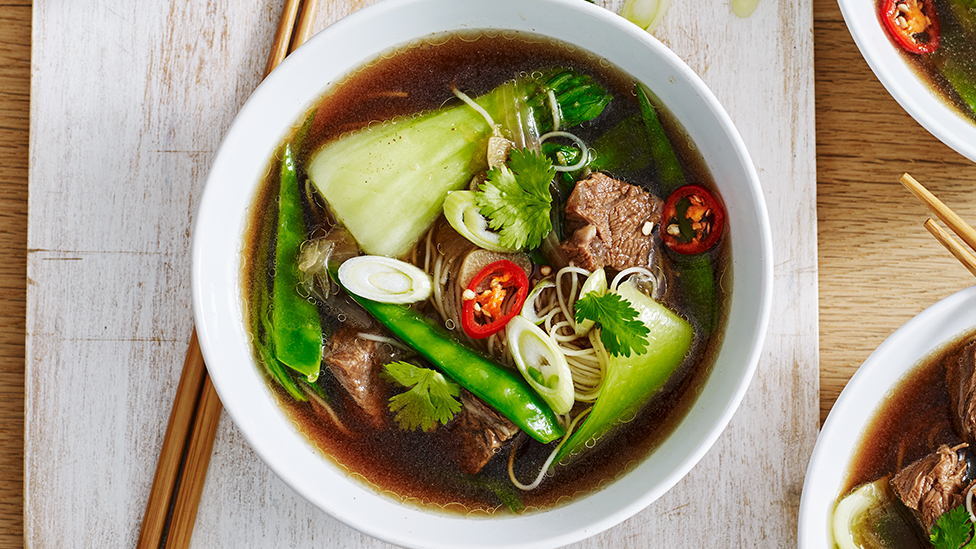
(665,160)
(503,389)
(296,327)
(696,271)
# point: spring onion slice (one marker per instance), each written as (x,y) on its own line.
(646,14)
(384,279)
(744,8)
(596,282)
(542,364)
(529,310)
(464,215)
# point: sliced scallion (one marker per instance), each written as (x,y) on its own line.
(384,279)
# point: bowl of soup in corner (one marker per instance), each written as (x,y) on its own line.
(924,53)
(482,277)
(897,432)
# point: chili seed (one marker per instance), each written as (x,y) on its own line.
(468,294)
(901,22)
(647,228)
(545,270)
(674,229)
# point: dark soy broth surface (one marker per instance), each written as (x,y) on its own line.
(910,424)
(412,466)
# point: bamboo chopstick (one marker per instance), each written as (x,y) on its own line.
(188,443)
(951,219)
(967,259)
(171,454)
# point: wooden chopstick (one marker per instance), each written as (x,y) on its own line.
(951,219)
(967,259)
(171,454)
(192,427)
(195,468)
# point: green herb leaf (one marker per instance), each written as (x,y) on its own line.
(516,200)
(953,530)
(620,329)
(432,398)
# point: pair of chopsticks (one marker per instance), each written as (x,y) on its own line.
(951,219)
(183,460)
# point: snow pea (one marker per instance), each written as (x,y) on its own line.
(296,327)
(696,271)
(501,388)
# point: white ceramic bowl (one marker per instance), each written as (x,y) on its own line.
(902,81)
(931,329)
(264,122)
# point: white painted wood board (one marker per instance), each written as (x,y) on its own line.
(129,101)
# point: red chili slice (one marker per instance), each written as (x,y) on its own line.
(494,296)
(914,24)
(692,220)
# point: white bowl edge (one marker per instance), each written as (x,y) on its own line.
(216,288)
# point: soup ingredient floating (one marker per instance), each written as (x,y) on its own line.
(491,279)
(384,279)
(387,196)
(914,24)
(494,297)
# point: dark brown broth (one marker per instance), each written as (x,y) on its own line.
(412,465)
(908,425)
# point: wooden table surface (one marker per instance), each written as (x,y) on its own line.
(877,266)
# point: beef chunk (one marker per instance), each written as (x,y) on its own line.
(610,222)
(355,362)
(961,382)
(932,485)
(477,433)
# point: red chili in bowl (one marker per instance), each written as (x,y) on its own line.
(692,220)
(914,24)
(494,296)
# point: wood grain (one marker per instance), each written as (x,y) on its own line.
(864,141)
(15,34)
(878,267)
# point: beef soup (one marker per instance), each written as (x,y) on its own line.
(914,462)
(485,274)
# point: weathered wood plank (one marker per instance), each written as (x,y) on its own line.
(135,110)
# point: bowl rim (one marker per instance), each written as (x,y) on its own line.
(923,104)
(405,525)
(900,354)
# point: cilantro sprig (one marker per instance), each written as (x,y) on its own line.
(621,331)
(953,530)
(432,398)
(516,200)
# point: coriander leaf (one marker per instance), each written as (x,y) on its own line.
(432,398)
(953,530)
(621,331)
(516,200)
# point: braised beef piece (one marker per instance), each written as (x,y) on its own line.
(609,223)
(355,362)
(477,432)
(933,485)
(961,382)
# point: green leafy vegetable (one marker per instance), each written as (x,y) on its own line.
(953,530)
(516,200)
(632,380)
(503,490)
(387,196)
(621,330)
(432,398)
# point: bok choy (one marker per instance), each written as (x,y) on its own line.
(387,182)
